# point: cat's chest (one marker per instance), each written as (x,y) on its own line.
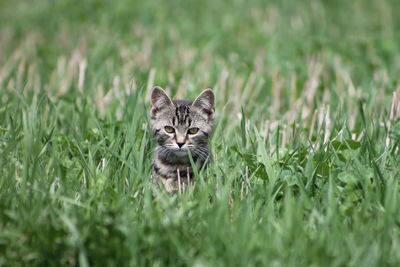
(172,171)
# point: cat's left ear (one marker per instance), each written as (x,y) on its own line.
(205,102)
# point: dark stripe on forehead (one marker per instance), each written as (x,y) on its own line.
(182,114)
(177,113)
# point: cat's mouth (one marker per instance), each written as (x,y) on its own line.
(181,152)
(183,149)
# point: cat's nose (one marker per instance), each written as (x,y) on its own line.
(180,144)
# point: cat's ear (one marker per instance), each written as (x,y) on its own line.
(205,102)
(159,100)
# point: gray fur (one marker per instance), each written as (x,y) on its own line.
(171,164)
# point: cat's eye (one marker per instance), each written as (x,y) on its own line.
(193,130)
(169,129)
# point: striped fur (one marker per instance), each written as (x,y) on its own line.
(180,126)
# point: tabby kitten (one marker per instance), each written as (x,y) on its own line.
(180,126)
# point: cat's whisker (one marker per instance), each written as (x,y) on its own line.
(201,154)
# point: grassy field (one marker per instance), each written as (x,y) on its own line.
(305,151)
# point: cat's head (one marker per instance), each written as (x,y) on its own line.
(181,125)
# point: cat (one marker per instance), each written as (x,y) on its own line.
(180,126)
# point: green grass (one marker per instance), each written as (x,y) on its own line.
(305,150)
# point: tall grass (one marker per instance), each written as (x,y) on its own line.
(305,150)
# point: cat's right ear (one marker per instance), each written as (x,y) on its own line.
(159,100)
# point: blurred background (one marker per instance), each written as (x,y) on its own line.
(188,45)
